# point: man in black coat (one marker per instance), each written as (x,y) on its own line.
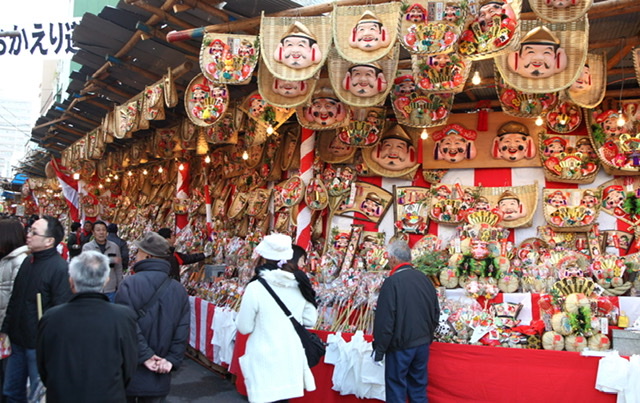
(407,314)
(45,272)
(162,306)
(87,349)
(177,259)
(112,229)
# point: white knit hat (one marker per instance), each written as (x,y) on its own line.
(275,247)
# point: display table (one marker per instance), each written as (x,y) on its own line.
(457,373)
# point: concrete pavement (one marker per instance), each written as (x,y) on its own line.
(193,383)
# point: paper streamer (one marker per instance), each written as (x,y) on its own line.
(307,155)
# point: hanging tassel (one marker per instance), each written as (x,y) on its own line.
(483,115)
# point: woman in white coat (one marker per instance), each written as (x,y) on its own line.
(12,252)
(274,365)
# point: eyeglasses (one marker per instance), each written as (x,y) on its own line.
(30,231)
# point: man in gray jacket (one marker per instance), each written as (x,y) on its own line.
(112,251)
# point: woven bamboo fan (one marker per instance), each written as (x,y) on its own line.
(517,204)
(448,205)
(165,141)
(290,150)
(188,135)
(332,150)
(108,126)
(414,108)
(170,91)
(95,144)
(528,70)
(264,114)
(295,48)
(284,93)
(618,147)
(523,104)
(590,87)
(620,199)
(565,117)
(365,127)
(229,59)
(494,31)
(363,84)
(560,10)
(431,27)
(324,111)
(568,159)
(153,102)
(571,210)
(205,102)
(365,34)
(434,175)
(394,156)
(127,118)
(447,72)
(288,193)
(223,131)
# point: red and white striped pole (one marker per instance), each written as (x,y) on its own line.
(307,156)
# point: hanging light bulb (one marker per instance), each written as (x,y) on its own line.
(144,172)
(621,120)
(245,155)
(424,135)
(100,186)
(160,170)
(539,121)
(475,80)
(76,176)
(269,129)
(130,173)
(108,180)
(181,167)
(207,160)
(116,177)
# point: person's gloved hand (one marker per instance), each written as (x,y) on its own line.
(377,357)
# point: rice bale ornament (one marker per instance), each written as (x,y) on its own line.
(573,302)
(367,33)
(599,342)
(560,323)
(493,31)
(294,48)
(229,59)
(426,33)
(575,342)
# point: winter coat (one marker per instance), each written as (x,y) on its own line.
(407,312)
(124,249)
(74,244)
(164,328)
(112,251)
(177,259)
(9,266)
(274,365)
(44,272)
(87,350)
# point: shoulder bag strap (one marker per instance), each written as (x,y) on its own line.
(279,301)
(143,311)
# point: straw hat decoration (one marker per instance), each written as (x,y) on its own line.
(394,156)
(523,104)
(432,32)
(363,84)
(295,48)
(367,33)
(532,69)
(493,31)
(229,59)
(205,101)
(333,151)
(589,88)
(283,93)
(365,127)
(324,111)
(560,10)
(414,108)
(444,72)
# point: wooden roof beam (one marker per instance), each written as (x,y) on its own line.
(161,13)
(202,6)
(613,61)
(191,51)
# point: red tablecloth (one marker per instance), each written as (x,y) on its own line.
(463,373)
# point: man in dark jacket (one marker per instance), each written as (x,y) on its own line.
(163,313)
(177,259)
(406,317)
(45,273)
(87,349)
(73,241)
(112,229)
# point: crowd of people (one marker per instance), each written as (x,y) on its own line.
(82,330)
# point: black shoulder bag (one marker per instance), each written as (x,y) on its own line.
(314,347)
(143,311)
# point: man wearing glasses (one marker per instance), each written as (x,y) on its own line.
(45,272)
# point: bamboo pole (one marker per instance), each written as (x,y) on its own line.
(253,23)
